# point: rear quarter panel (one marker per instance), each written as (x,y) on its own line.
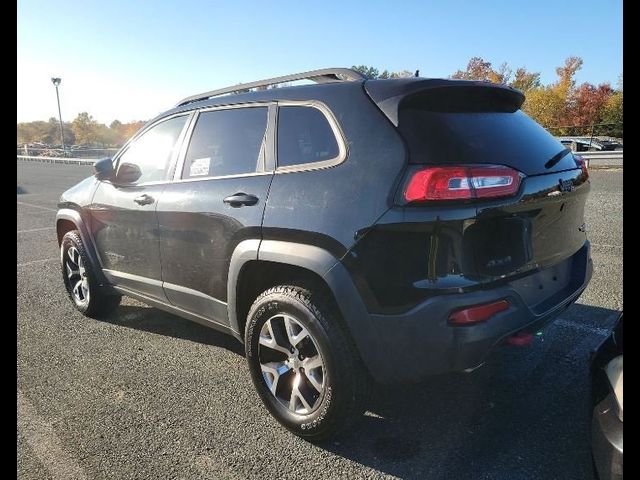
(333,207)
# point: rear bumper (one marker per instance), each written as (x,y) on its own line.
(410,346)
(606,439)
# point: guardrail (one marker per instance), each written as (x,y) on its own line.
(76,161)
(611,155)
(602,159)
(67,153)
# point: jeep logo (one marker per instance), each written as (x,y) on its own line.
(566,185)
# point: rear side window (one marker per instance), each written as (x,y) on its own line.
(304,136)
(226,142)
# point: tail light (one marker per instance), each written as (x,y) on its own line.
(477,313)
(582,163)
(462,183)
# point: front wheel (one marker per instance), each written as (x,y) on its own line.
(80,279)
(302,363)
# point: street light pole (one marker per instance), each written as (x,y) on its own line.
(56,82)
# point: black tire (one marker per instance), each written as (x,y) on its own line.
(345,381)
(90,298)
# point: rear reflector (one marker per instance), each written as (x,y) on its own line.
(520,339)
(462,183)
(479,313)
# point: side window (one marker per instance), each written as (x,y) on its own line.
(152,151)
(304,136)
(226,142)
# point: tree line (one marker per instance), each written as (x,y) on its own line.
(83,130)
(563,107)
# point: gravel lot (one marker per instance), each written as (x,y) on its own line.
(146,394)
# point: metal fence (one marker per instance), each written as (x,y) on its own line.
(42,159)
(53,152)
(602,159)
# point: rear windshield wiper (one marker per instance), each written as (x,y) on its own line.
(557,157)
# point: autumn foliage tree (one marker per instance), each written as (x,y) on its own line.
(478,69)
(374,73)
(587,103)
(563,106)
(84,130)
(611,115)
(524,80)
(566,83)
(129,129)
(545,105)
(44,132)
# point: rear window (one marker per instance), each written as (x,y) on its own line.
(493,137)
(304,136)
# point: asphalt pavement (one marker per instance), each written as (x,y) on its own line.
(145,394)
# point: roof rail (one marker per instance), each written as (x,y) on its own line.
(325,75)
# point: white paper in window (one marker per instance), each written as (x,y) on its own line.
(199,167)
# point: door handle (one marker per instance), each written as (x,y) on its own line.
(239,199)
(144,199)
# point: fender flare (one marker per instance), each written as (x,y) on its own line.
(75,217)
(326,266)
(309,257)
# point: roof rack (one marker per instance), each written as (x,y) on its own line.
(325,75)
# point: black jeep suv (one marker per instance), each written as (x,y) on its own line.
(345,231)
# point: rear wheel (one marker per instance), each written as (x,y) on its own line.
(80,279)
(303,364)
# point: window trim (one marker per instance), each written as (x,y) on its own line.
(176,164)
(337,133)
(268,150)
(174,156)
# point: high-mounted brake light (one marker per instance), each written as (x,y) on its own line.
(479,313)
(462,183)
(581,162)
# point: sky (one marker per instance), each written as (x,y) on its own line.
(130,60)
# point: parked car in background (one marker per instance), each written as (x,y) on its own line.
(590,144)
(606,396)
(606,145)
(575,145)
(346,231)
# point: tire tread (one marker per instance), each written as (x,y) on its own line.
(322,307)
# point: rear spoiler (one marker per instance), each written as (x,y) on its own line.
(441,95)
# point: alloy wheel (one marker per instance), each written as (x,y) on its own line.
(77,276)
(292,364)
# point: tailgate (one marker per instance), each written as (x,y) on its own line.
(466,123)
(541,227)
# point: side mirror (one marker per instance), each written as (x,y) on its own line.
(104,169)
(128,173)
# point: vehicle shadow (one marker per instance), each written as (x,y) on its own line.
(156,321)
(525,414)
